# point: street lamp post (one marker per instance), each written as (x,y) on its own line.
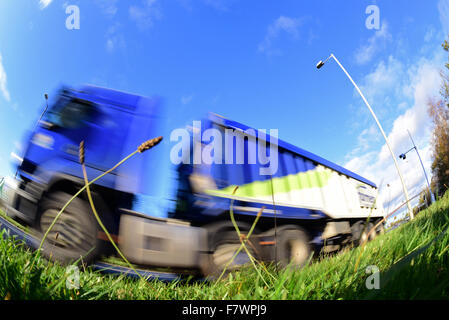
(319,65)
(389,198)
(403,156)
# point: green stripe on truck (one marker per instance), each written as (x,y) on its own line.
(299,181)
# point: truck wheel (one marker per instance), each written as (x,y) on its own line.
(360,232)
(380,229)
(373,234)
(293,248)
(74,234)
(224,247)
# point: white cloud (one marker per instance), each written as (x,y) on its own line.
(425,84)
(44,3)
(108,7)
(364,140)
(3,87)
(281,24)
(430,34)
(423,81)
(375,43)
(18,146)
(114,38)
(385,88)
(221,5)
(384,81)
(145,15)
(186,99)
(443,9)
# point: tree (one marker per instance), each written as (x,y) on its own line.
(439,113)
(445,86)
(440,144)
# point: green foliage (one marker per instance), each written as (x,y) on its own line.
(445,86)
(439,112)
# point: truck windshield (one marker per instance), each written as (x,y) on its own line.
(69,113)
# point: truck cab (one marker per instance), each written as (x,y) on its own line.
(112,124)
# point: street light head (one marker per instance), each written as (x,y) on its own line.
(402,156)
(319,64)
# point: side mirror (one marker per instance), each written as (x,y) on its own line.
(46,124)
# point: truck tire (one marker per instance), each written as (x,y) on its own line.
(360,232)
(74,235)
(373,234)
(292,247)
(381,228)
(223,247)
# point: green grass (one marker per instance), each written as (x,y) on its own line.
(413,261)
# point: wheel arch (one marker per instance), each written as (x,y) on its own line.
(71,185)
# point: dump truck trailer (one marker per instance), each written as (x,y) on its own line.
(305,203)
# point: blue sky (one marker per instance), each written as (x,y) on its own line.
(250,61)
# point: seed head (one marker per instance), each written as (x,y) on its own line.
(81,152)
(260,211)
(149,144)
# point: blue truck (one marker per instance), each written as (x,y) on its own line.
(308,204)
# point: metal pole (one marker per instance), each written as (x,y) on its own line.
(432,198)
(389,198)
(383,133)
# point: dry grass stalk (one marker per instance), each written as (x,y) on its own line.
(243,240)
(143,147)
(97,217)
